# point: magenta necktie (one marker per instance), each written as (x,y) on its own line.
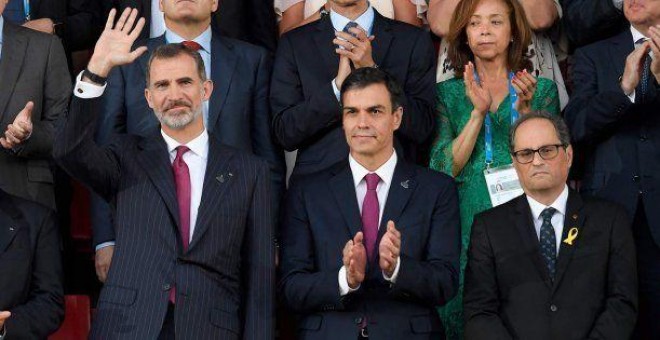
(370,212)
(192,45)
(182,183)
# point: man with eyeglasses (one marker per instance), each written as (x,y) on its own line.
(549,264)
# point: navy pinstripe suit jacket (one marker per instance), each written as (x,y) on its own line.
(224,282)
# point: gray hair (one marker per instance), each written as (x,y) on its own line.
(169,51)
(560,127)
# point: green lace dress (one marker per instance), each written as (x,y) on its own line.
(453,113)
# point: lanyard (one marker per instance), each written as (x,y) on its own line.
(26,8)
(488,133)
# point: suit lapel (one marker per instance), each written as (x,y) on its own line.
(218,178)
(155,160)
(383,37)
(11,221)
(11,63)
(341,185)
(530,242)
(573,219)
(222,69)
(401,189)
(324,46)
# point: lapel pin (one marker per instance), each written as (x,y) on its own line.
(11,228)
(224,177)
(575,216)
(572,235)
(405,184)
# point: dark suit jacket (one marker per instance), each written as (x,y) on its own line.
(32,68)
(508,291)
(587,21)
(253,21)
(224,281)
(621,139)
(306,113)
(238,109)
(30,260)
(322,214)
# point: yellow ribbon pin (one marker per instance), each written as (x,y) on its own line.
(572,235)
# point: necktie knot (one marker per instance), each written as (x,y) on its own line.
(372,181)
(547,213)
(350,24)
(192,45)
(640,41)
(180,150)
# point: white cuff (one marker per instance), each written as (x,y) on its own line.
(87,90)
(343,283)
(335,89)
(105,244)
(395,274)
(632,97)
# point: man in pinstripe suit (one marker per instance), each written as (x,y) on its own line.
(194,256)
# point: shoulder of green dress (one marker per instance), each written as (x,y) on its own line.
(544,83)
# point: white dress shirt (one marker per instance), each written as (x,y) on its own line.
(196,160)
(157,22)
(385,172)
(365,21)
(557,219)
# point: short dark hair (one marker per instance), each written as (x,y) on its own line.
(560,127)
(367,76)
(169,51)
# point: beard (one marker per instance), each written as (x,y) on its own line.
(180,119)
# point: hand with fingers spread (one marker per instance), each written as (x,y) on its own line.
(654,44)
(389,249)
(356,46)
(478,95)
(633,70)
(20,130)
(355,260)
(525,85)
(114,46)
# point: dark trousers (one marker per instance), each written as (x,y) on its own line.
(648,269)
(167,332)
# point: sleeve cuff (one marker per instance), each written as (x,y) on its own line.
(336,90)
(395,274)
(87,90)
(343,281)
(105,244)
(631,97)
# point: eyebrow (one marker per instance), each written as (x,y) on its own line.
(490,16)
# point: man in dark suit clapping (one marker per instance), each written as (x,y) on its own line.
(549,264)
(194,236)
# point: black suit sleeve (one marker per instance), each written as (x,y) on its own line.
(434,279)
(618,318)
(43,312)
(259,259)
(481,303)
(587,21)
(77,152)
(56,92)
(302,286)
(592,114)
(299,117)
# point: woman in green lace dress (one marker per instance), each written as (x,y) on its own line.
(487,46)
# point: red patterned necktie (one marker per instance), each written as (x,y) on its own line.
(192,45)
(370,215)
(182,183)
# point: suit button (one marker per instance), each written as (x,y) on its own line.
(643,138)
(553,308)
(166,286)
(635,178)
(358,320)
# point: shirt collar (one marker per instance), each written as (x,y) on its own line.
(203,39)
(199,145)
(385,171)
(366,20)
(559,204)
(636,35)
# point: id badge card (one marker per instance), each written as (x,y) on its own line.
(503,184)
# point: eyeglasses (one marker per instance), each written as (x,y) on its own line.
(546,152)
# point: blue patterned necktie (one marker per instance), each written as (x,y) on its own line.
(646,71)
(548,241)
(15,12)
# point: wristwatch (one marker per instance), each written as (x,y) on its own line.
(324,12)
(95,78)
